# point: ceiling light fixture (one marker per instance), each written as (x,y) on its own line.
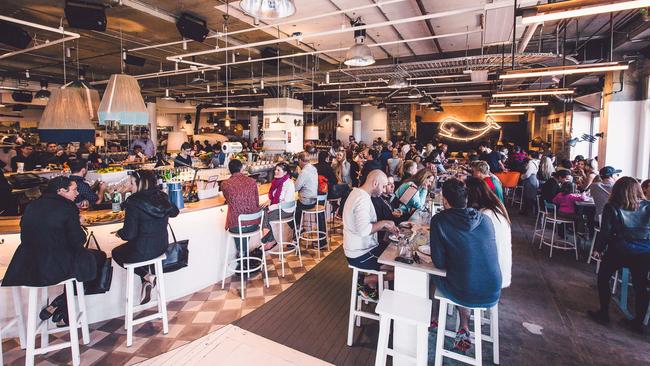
(359,54)
(167,96)
(590,10)
(414,93)
(268,9)
(43,94)
(505,114)
(511,110)
(397,82)
(528,93)
(498,105)
(529,104)
(554,71)
(426,100)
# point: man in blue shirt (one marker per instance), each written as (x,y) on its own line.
(463,243)
(78,171)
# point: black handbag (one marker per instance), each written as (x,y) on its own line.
(102,282)
(177,253)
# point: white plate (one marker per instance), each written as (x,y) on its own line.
(425,249)
(394,237)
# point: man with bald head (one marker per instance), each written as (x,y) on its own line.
(360,227)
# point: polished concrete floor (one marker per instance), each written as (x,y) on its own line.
(542,314)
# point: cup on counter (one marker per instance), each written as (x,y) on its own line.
(20,167)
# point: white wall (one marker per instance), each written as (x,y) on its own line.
(581,125)
(344,133)
(288,110)
(374,124)
(628,137)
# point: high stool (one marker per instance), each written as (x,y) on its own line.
(246,257)
(593,244)
(478,338)
(292,246)
(331,203)
(514,200)
(18,320)
(550,217)
(356,301)
(161,300)
(539,219)
(406,308)
(76,319)
(311,235)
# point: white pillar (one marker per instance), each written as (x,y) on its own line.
(254,128)
(153,123)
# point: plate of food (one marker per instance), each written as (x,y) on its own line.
(105,218)
(396,237)
(425,249)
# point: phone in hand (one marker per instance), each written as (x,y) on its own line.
(404,260)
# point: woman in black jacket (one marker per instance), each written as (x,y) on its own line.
(145,228)
(625,233)
(51,246)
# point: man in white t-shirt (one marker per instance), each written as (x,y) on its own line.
(360,227)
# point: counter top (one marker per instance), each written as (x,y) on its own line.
(11,224)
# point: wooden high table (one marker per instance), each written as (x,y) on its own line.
(412,279)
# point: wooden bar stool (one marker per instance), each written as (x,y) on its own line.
(161,300)
(292,246)
(356,301)
(246,257)
(76,319)
(314,235)
(406,308)
(478,337)
(18,320)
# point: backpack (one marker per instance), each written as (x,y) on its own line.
(323,184)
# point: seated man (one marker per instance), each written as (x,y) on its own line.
(481,170)
(360,227)
(463,243)
(87,196)
(551,187)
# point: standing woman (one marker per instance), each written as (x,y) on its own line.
(625,233)
(482,198)
(530,182)
(282,190)
(147,212)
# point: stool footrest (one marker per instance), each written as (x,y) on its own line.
(284,252)
(393,353)
(366,314)
(147,318)
(458,357)
(54,347)
(146,306)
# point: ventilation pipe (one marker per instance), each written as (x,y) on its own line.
(526,37)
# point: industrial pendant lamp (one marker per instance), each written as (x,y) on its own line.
(311,129)
(89,95)
(43,94)
(65,118)
(397,82)
(359,54)
(414,93)
(227,119)
(268,9)
(278,120)
(122,102)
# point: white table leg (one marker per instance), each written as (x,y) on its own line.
(405,335)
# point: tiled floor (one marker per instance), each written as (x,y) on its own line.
(190,318)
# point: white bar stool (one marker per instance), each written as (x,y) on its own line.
(477,338)
(18,321)
(76,319)
(254,217)
(311,235)
(539,220)
(550,217)
(356,301)
(514,200)
(292,246)
(407,308)
(161,301)
(593,244)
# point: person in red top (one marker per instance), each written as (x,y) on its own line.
(242,197)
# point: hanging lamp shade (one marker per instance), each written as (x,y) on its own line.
(122,102)
(268,9)
(89,95)
(175,140)
(65,118)
(311,132)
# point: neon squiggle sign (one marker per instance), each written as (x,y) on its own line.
(447,130)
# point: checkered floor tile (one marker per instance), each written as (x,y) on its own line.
(190,318)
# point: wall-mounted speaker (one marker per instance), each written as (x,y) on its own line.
(13,35)
(22,96)
(192,27)
(85,15)
(134,60)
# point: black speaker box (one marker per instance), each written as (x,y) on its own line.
(13,35)
(85,15)
(192,27)
(22,96)
(134,60)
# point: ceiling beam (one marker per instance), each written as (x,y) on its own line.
(429,24)
(399,35)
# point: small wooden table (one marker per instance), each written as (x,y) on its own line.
(412,279)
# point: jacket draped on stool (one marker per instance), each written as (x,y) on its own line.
(145,226)
(51,246)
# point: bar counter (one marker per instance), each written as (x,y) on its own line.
(203,223)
